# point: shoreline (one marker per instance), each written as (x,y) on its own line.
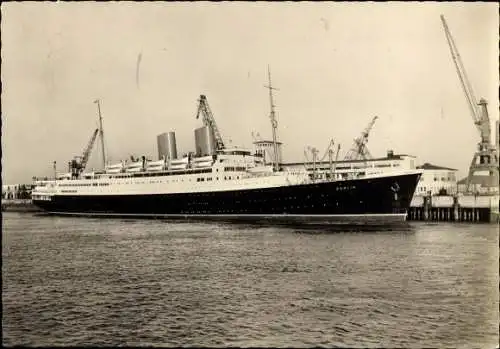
(19,205)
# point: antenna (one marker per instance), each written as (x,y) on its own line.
(101,132)
(272,116)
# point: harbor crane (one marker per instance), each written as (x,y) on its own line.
(485,158)
(359,151)
(79,163)
(209,120)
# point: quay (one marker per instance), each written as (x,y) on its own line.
(444,208)
(455,208)
(18,205)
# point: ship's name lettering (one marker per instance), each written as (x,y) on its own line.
(346,187)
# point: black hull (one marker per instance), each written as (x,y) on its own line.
(376,199)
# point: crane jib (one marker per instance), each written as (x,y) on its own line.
(209,120)
(479,110)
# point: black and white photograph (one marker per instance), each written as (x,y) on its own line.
(250,174)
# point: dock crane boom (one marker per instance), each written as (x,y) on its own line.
(209,120)
(485,159)
(359,149)
(79,163)
(479,111)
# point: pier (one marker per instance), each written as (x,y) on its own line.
(456,208)
(18,205)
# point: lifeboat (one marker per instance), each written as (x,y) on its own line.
(179,164)
(114,168)
(155,165)
(134,166)
(203,161)
(64,176)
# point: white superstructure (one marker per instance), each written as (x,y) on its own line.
(230,170)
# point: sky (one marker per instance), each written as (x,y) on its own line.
(336,65)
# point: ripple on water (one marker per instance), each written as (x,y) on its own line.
(116,282)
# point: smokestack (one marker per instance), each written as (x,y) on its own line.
(167,146)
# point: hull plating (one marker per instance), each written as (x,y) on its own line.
(384,198)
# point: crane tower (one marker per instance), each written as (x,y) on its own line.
(359,151)
(78,164)
(209,120)
(483,170)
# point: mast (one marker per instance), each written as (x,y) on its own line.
(272,116)
(314,152)
(336,159)
(101,132)
(330,159)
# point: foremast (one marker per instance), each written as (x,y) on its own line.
(274,122)
(101,133)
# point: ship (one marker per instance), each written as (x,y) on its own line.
(228,183)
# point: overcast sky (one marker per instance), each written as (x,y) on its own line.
(336,66)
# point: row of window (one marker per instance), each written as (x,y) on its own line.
(202,179)
(41,197)
(199,179)
(156,174)
(228,169)
(443,179)
(352,167)
(161,173)
(425,189)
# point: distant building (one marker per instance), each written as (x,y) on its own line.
(436,180)
(10,191)
(16,191)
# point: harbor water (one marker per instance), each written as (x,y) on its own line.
(88,281)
